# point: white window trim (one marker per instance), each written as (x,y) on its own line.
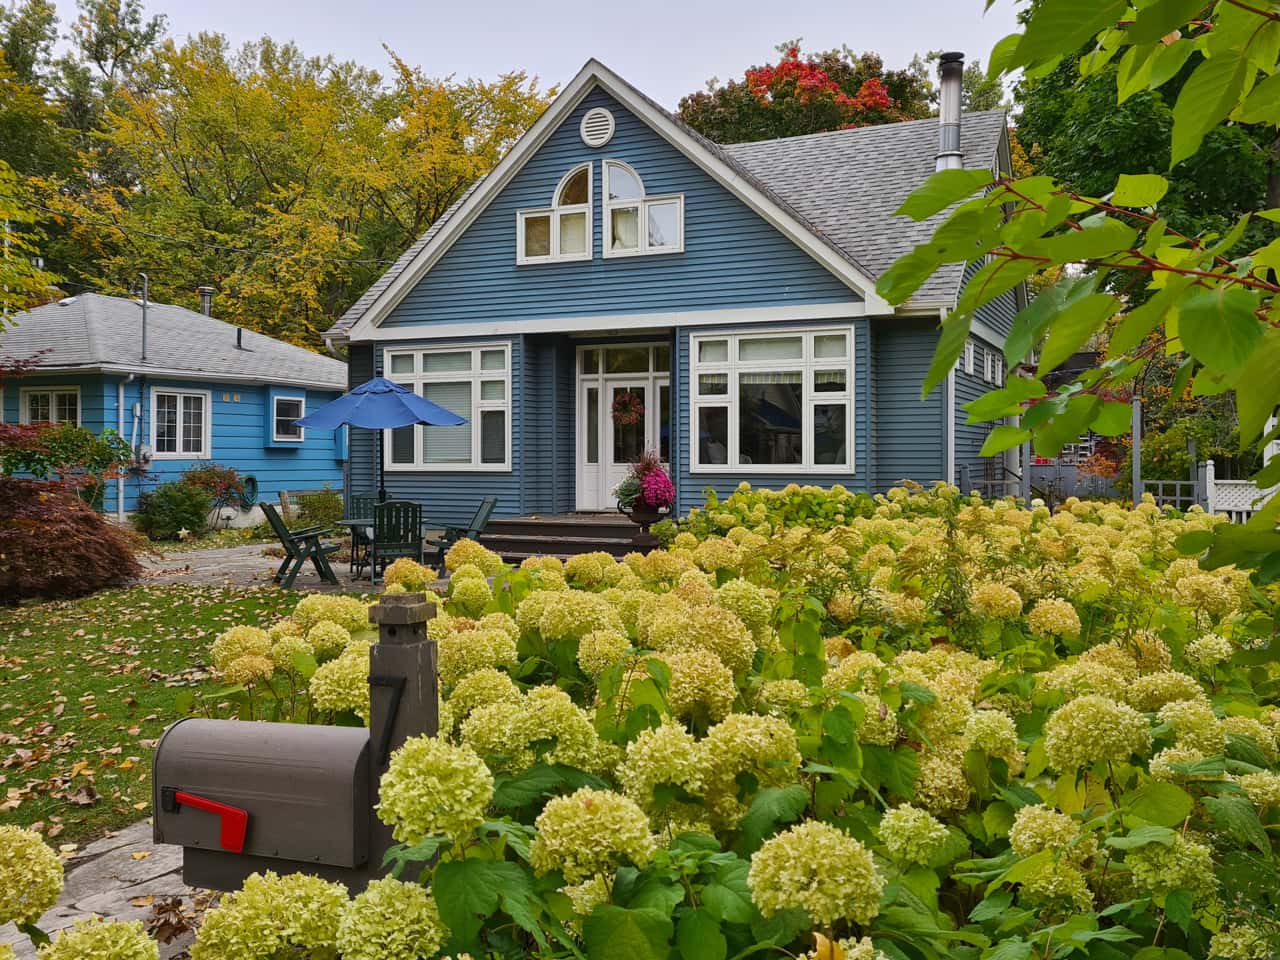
(24,392)
(987,376)
(302,431)
(643,202)
(968,357)
(808,364)
(206,452)
(478,405)
(555,212)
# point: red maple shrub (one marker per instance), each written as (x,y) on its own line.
(54,546)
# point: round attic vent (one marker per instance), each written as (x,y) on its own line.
(597,127)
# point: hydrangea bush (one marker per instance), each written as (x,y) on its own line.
(934,727)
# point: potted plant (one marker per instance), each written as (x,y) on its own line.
(645,495)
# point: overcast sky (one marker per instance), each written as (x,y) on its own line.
(665,48)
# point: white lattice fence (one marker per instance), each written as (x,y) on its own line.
(1238,499)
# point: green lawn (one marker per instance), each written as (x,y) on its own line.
(86,687)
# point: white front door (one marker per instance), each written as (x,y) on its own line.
(608,444)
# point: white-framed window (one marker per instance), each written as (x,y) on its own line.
(635,223)
(968,357)
(473,381)
(181,424)
(988,365)
(285,410)
(49,405)
(561,231)
(775,402)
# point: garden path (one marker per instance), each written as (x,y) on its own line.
(119,877)
(244,566)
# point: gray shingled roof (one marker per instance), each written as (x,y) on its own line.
(849,183)
(843,186)
(92,331)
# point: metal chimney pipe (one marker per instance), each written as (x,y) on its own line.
(206,300)
(951,76)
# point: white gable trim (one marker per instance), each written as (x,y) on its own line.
(591,75)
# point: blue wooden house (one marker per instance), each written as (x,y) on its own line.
(616,261)
(204,391)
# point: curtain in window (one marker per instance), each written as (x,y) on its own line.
(626,229)
(448,444)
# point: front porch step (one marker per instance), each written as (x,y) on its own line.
(590,525)
(515,547)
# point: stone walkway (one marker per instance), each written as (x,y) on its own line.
(118,878)
(242,566)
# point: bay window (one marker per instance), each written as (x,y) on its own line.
(472,381)
(772,403)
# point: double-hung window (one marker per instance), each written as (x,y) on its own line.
(284,412)
(180,424)
(472,381)
(779,402)
(563,230)
(635,223)
(49,405)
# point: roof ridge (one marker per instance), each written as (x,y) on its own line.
(853,131)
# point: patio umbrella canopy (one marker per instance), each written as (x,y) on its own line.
(380,405)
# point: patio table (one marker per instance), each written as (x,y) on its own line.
(366,523)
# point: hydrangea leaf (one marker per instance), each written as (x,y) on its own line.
(770,807)
(616,933)
(1164,804)
(699,938)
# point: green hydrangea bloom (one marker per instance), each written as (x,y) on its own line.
(433,788)
(30,876)
(590,832)
(391,920)
(817,868)
(100,940)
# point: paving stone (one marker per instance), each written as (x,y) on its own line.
(237,566)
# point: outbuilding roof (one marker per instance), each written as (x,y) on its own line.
(93,332)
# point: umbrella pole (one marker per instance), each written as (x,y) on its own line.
(382,479)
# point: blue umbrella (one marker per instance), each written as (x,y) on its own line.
(380,405)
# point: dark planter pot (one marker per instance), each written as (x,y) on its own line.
(644,518)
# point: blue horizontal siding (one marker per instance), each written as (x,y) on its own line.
(997,314)
(732,256)
(448,497)
(909,437)
(691,487)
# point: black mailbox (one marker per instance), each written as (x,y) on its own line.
(241,797)
(279,790)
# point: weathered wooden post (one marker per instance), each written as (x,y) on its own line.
(1136,427)
(964,480)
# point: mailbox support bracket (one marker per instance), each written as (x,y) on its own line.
(396,685)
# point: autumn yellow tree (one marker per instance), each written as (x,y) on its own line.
(288,182)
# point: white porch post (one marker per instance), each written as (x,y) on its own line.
(1210,494)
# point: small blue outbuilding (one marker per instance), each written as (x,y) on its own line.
(205,391)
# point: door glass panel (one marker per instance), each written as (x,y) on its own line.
(626,360)
(770,416)
(664,421)
(771,348)
(713,351)
(590,361)
(829,345)
(593,424)
(493,436)
(662,359)
(713,435)
(628,438)
(830,434)
(446,362)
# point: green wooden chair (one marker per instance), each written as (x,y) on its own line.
(359,507)
(397,532)
(471,531)
(299,547)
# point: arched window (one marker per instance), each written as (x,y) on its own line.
(563,230)
(635,223)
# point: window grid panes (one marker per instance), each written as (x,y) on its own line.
(51,406)
(473,382)
(637,224)
(180,425)
(773,403)
(287,411)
